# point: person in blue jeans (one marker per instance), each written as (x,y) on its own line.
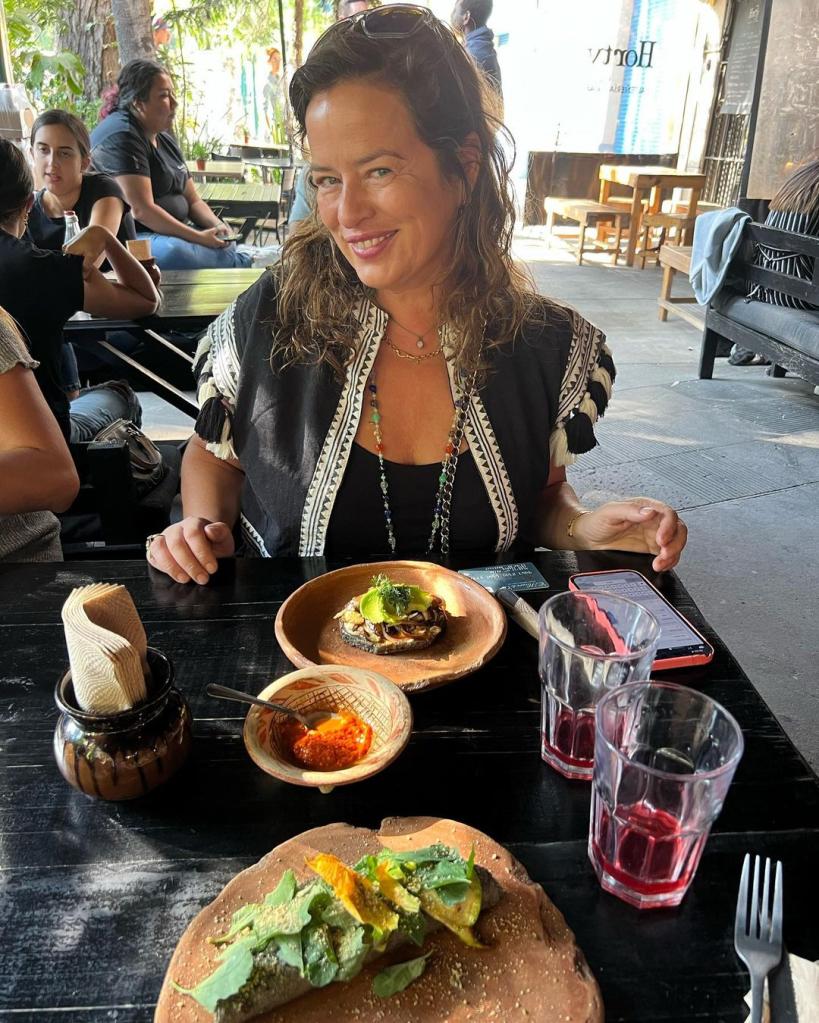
(133,143)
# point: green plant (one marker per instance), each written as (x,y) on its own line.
(51,78)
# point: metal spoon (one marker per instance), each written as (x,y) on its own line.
(308,720)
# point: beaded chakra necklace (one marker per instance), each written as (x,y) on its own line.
(446,479)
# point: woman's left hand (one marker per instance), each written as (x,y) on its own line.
(639,524)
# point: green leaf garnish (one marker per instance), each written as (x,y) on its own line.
(395,597)
(395,978)
(226,980)
(351,950)
(320,962)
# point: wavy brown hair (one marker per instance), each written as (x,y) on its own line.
(485,297)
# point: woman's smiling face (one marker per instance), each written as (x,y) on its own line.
(380,189)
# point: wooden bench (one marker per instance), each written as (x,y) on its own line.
(588,213)
(672,259)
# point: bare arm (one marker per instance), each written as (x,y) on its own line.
(211,498)
(140,195)
(107,213)
(35,463)
(211,486)
(132,295)
(557,505)
(638,524)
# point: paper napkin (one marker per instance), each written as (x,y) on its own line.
(107,648)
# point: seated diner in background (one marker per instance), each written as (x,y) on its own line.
(395,384)
(795,208)
(61,152)
(38,474)
(41,290)
(133,144)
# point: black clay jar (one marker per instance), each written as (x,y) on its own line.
(124,755)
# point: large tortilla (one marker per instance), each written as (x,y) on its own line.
(532,971)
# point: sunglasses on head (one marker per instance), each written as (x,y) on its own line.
(397,21)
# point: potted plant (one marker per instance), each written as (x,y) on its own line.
(199,152)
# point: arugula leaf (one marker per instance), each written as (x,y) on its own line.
(445,872)
(413,926)
(284,892)
(320,962)
(226,980)
(288,949)
(396,978)
(243,917)
(351,948)
(288,918)
(428,854)
(452,894)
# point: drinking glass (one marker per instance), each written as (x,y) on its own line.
(589,642)
(664,758)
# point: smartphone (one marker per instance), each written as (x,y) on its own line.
(680,643)
(230,237)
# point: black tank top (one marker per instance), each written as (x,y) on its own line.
(357,526)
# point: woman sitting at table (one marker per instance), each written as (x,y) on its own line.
(395,384)
(38,474)
(133,144)
(61,151)
(43,289)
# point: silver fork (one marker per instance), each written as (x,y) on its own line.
(758,929)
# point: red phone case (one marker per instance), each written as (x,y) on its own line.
(665,664)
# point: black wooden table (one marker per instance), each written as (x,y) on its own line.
(191,299)
(97,894)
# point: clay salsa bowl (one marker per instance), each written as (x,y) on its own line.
(309,634)
(365,693)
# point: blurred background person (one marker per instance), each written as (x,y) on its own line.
(274,103)
(469,18)
(133,143)
(38,474)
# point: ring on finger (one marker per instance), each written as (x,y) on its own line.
(148,541)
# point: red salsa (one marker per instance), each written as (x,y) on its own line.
(338,742)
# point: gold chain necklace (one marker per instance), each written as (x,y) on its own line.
(408,355)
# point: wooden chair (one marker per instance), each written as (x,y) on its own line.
(588,213)
(676,226)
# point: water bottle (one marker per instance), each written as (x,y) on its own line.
(72,226)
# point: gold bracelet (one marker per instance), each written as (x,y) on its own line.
(572,520)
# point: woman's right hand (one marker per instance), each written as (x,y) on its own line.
(188,550)
(210,238)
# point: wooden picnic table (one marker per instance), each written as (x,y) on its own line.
(97,894)
(647,185)
(191,299)
(232,170)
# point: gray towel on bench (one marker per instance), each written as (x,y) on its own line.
(716,238)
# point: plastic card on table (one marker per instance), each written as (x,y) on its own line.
(520,576)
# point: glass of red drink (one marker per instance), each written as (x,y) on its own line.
(589,642)
(664,758)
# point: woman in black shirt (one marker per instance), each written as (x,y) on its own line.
(42,290)
(133,144)
(61,151)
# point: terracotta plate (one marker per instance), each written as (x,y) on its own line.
(531,970)
(309,634)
